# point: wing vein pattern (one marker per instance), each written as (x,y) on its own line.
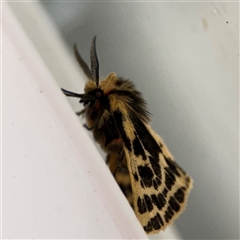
(160,188)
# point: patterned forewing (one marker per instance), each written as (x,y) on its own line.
(160,187)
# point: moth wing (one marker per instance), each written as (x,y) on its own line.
(160,187)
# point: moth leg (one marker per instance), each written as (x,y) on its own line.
(119,162)
(111,161)
(79,113)
(120,173)
(87,127)
(115,160)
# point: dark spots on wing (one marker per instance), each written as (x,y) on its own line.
(148,141)
(173,204)
(179,195)
(155,201)
(148,227)
(170,211)
(167,217)
(136,176)
(141,205)
(168,214)
(142,185)
(160,219)
(148,202)
(165,191)
(158,180)
(170,179)
(155,185)
(144,204)
(158,200)
(161,199)
(155,223)
(146,175)
(149,144)
(138,149)
(156,166)
(173,166)
(119,121)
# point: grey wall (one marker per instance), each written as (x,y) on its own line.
(184,58)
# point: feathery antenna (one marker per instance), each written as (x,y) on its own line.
(82,63)
(94,62)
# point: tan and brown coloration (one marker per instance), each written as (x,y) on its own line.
(155,186)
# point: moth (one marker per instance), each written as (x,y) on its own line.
(153,183)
